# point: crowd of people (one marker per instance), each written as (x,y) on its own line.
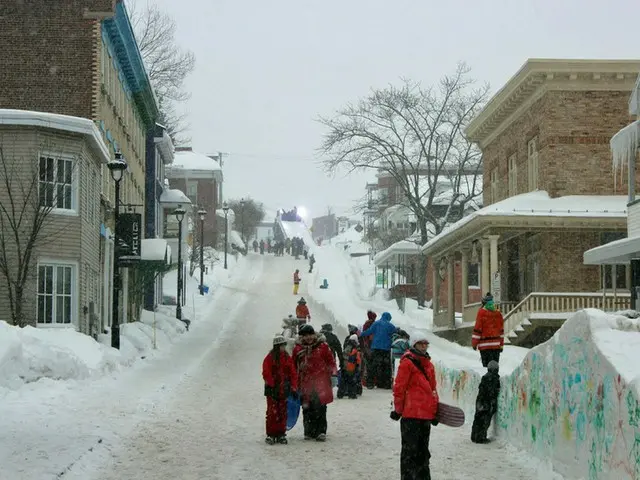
(367,357)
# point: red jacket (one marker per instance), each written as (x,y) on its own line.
(365,342)
(302,311)
(488,333)
(413,395)
(316,365)
(296,277)
(280,374)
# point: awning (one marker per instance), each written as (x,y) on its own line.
(403,247)
(614,253)
(155,250)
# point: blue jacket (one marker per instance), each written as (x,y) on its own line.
(382,330)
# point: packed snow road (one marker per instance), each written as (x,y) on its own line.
(211,426)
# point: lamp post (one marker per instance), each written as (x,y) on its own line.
(242,222)
(202,213)
(225,209)
(116,168)
(179,213)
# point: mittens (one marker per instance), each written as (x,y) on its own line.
(395,416)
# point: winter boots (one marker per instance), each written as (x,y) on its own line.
(273,440)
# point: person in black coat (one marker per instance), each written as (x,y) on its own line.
(486,403)
(332,341)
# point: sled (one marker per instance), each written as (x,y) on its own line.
(293,411)
(450,415)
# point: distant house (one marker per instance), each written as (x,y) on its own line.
(200,177)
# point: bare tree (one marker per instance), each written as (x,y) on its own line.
(248,214)
(168,65)
(28,194)
(415,135)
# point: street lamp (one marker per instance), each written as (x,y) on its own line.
(116,168)
(242,222)
(225,209)
(179,213)
(202,213)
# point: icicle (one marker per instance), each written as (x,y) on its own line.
(623,148)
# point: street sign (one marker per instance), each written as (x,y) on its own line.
(496,289)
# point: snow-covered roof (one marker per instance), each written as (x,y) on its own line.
(540,204)
(403,247)
(614,253)
(190,160)
(155,250)
(173,196)
(624,145)
(470,186)
(56,121)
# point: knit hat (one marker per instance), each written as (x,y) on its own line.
(352,329)
(371,315)
(279,340)
(327,327)
(418,339)
(306,329)
(493,365)
(487,298)
(302,301)
(353,338)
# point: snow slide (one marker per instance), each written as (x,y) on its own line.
(297,229)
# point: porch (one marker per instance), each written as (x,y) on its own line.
(396,270)
(524,256)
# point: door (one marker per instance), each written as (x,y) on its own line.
(513,271)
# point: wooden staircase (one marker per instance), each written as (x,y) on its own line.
(540,314)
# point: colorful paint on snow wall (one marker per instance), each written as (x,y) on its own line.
(565,403)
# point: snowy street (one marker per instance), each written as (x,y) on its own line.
(199,412)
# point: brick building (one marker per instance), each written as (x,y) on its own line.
(549,192)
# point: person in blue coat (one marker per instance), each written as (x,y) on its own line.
(380,371)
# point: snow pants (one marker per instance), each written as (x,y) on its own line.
(348,385)
(481,423)
(379,369)
(296,286)
(314,418)
(276,417)
(487,355)
(415,455)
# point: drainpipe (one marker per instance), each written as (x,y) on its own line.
(634,264)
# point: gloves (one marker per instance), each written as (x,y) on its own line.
(395,416)
(434,422)
(475,348)
(269,391)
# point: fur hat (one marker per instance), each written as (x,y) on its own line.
(279,340)
(493,366)
(353,338)
(371,315)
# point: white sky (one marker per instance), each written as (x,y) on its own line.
(266,70)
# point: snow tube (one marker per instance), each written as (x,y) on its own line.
(293,411)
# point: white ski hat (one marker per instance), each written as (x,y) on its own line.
(353,338)
(420,338)
(279,340)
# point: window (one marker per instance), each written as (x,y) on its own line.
(532,163)
(473,275)
(494,186)
(608,274)
(192,191)
(513,175)
(56,183)
(55,293)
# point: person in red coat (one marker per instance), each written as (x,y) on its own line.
(302,311)
(415,401)
(280,381)
(365,346)
(315,365)
(488,332)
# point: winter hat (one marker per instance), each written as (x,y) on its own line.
(493,366)
(302,301)
(386,316)
(420,338)
(327,327)
(487,298)
(306,329)
(353,338)
(352,329)
(371,315)
(279,340)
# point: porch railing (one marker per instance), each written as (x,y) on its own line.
(470,311)
(560,303)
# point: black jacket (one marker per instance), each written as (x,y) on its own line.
(334,344)
(488,392)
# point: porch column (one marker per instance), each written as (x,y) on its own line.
(493,241)
(435,286)
(486,278)
(451,297)
(465,276)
